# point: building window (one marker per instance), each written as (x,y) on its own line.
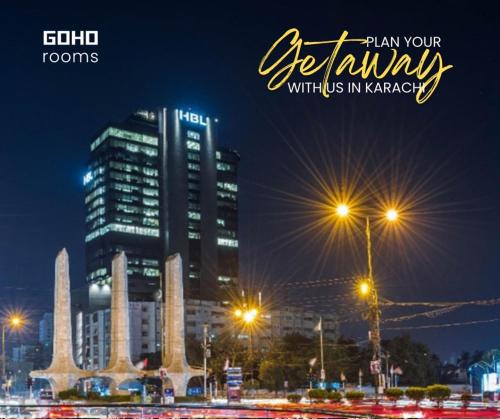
(194,215)
(194,166)
(227,242)
(193,235)
(225,167)
(193,135)
(123,134)
(232,187)
(193,145)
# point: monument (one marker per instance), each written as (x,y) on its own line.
(62,372)
(120,367)
(174,347)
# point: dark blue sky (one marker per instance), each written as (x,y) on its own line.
(206,56)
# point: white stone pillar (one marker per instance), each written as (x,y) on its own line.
(62,372)
(174,347)
(120,329)
(62,355)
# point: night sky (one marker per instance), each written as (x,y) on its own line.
(206,56)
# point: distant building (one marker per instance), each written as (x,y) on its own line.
(18,372)
(92,331)
(24,353)
(24,359)
(485,374)
(156,185)
(289,320)
(46,329)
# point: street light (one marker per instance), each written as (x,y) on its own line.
(364,288)
(248,317)
(14,322)
(367,287)
(342,210)
(391,215)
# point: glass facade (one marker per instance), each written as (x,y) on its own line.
(157,185)
(123,209)
(227,218)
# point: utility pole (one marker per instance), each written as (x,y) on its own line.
(323,375)
(374,309)
(369,289)
(205,349)
(387,381)
(3,352)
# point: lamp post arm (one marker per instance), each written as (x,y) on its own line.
(3,352)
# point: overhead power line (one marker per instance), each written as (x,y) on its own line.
(321,282)
(490,302)
(429,314)
(437,326)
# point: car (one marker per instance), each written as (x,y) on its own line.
(57,412)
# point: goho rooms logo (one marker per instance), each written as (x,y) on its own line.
(70,39)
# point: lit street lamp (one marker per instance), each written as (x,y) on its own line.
(367,287)
(13,322)
(248,317)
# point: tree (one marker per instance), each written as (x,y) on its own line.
(477,356)
(394,394)
(289,358)
(226,347)
(318,395)
(464,360)
(271,375)
(420,366)
(466,398)
(335,397)
(355,395)
(294,398)
(415,393)
(194,350)
(438,393)
(345,356)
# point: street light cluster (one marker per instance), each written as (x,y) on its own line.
(248,316)
(343,210)
(367,287)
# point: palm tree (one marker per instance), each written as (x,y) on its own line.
(464,360)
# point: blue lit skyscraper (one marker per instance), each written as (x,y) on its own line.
(157,185)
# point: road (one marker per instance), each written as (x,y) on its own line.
(257,410)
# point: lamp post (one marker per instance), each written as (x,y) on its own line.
(247,316)
(205,349)
(368,288)
(374,307)
(3,352)
(12,322)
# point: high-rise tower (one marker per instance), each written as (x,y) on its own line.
(157,184)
